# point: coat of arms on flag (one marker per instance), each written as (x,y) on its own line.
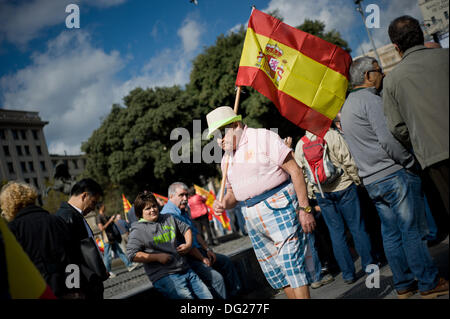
(304,76)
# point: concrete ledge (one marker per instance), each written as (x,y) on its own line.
(254,283)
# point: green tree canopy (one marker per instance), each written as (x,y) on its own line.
(131,147)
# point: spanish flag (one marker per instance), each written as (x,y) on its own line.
(304,76)
(210,198)
(22,279)
(126,204)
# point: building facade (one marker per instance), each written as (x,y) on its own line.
(435,19)
(23,149)
(75,163)
(388,55)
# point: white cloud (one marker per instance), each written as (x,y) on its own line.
(27,20)
(68,84)
(389,10)
(73,84)
(190,34)
(336,14)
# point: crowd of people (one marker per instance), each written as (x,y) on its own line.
(372,186)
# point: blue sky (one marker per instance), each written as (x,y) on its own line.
(73,76)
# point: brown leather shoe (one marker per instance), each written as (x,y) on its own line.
(440,290)
(407,292)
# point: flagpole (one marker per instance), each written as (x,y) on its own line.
(224,176)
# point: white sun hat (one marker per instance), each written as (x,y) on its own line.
(221,116)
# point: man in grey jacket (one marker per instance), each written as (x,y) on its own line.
(385,169)
(416,101)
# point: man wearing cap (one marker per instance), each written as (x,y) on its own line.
(264,177)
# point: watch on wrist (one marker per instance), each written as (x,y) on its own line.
(307,209)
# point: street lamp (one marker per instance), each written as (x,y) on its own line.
(360,10)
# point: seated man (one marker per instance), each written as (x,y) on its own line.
(152,241)
(216,270)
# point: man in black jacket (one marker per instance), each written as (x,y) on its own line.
(83,198)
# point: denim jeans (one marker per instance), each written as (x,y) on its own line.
(432,227)
(315,261)
(186,285)
(222,278)
(337,208)
(117,251)
(400,205)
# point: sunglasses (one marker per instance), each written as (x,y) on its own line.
(379,70)
(224,129)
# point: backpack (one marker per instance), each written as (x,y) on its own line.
(319,168)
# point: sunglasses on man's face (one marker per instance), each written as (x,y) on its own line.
(379,70)
(223,130)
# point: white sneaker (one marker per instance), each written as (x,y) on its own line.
(133,266)
(112,275)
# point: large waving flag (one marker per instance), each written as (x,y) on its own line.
(304,76)
(210,198)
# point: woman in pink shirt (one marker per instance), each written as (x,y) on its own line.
(199,214)
(263,176)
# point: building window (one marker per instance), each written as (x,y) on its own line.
(35,134)
(24,167)
(31,166)
(433,20)
(19,150)
(10,168)
(36,182)
(27,150)
(27,180)
(23,134)
(15,134)
(446,15)
(6,150)
(39,150)
(2,134)
(75,164)
(44,168)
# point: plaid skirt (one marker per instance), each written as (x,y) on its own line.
(280,244)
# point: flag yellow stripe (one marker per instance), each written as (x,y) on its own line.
(25,281)
(305,79)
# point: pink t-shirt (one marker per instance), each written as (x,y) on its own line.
(255,166)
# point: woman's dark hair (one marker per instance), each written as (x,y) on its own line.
(142,200)
(405,32)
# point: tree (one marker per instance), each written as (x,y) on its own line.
(130,150)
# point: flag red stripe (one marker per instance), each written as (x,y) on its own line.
(314,47)
(295,111)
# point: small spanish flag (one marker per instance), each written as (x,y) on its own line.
(304,76)
(210,198)
(126,204)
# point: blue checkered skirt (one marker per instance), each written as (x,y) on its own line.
(280,244)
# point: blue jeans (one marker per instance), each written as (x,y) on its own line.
(186,285)
(337,208)
(432,227)
(222,278)
(400,205)
(117,251)
(315,259)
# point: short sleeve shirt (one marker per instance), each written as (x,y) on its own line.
(255,166)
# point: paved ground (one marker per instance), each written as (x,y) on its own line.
(136,280)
